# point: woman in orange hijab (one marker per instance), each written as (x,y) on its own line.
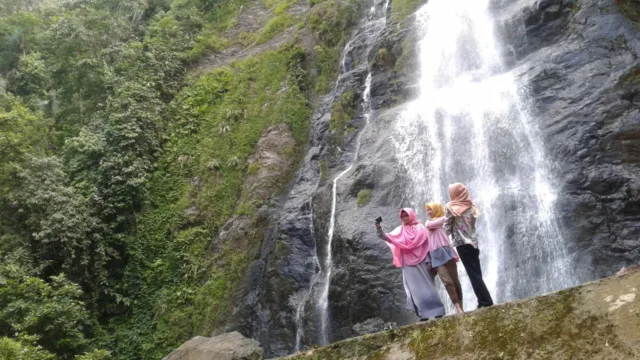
(460,225)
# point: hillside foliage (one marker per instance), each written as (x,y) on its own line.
(117,168)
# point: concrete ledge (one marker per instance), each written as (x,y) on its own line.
(597,320)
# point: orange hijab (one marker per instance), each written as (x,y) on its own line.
(460,200)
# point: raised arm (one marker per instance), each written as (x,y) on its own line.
(404,246)
(381,234)
(435,224)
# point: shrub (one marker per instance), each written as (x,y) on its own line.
(400,9)
(277,25)
(363,198)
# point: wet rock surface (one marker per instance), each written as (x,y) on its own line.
(583,74)
(579,61)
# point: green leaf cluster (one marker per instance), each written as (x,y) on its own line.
(179,280)
(330,22)
(85,95)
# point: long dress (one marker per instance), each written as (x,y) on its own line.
(422,296)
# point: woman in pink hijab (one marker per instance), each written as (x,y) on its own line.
(409,246)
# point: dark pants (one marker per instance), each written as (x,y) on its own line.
(470,257)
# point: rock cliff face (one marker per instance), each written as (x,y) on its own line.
(579,60)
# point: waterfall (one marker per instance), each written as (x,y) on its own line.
(376,22)
(324,295)
(300,306)
(470,123)
(368,32)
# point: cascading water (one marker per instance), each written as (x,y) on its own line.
(376,22)
(470,124)
(370,29)
(324,295)
(300,306)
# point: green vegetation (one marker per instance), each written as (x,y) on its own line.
(327,62)
(363,198)
(277,25)
(279,6)
(248,97)
(82,118)
(330,21)
(342,111)
(47,318)
(630,9)
(400,9)
(24,348)
(116,172)
(384,58)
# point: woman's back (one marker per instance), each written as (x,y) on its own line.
(461,229)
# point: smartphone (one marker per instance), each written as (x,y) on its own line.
(379,220)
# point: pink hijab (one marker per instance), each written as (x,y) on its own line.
(460,199)
(408,241)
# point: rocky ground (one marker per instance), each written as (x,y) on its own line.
(598,320)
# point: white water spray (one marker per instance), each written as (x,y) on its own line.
(470,124)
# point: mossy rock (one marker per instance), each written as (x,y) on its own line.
(342,111)
(324,170)
(363,198)
(400,9)
(384,59)
(630,9)
(598,320)
(331,19)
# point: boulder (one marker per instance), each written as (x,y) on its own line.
(229,346)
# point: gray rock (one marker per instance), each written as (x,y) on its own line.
(579,59)
(369,326)
(272,158)
(229,346)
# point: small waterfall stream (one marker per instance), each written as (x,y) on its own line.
(470,124)
(376,22)
(300,308)
(368,31)
(328,265)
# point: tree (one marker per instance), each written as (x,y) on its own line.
(51,313)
